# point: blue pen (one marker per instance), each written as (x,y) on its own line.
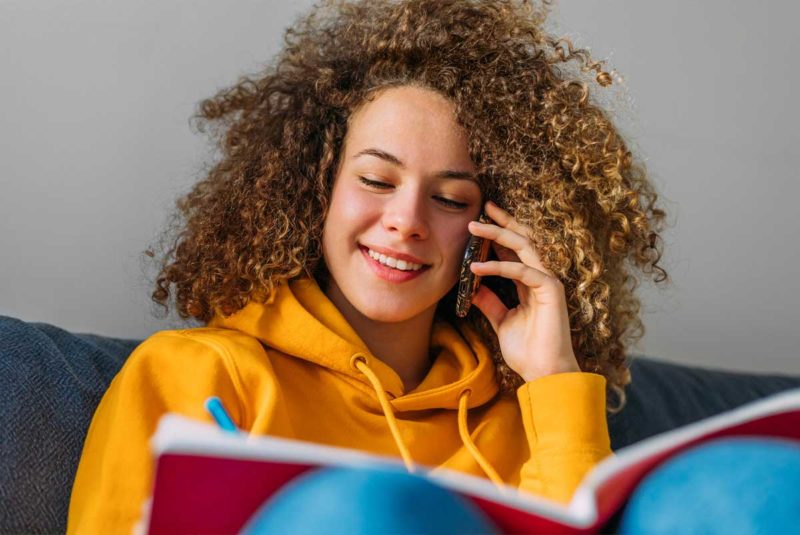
(221,416)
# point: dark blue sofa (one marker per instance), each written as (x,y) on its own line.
(51,381)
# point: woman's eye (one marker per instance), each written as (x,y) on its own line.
(374,183)
(383,185)
(451,204)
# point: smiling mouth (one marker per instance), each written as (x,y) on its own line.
(393,263)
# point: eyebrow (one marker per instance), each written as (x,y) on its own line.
(392,159)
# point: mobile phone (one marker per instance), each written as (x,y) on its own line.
(469,282)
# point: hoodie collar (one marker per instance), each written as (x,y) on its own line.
(299,320)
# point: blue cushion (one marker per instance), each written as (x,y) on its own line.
(366,501)
(697,491)
(51,381)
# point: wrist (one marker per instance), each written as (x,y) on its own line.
(567,365)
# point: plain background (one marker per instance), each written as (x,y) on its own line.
(95,146)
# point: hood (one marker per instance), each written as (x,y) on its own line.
(299,320)
(302,322)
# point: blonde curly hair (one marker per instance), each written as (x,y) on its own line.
(543,149)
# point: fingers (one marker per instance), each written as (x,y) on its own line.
(504,219)
(531,277)
(503,236)
(491,306)
(511,234)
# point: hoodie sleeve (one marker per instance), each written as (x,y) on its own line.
(168,372)
(564,416)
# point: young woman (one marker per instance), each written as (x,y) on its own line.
(322,254)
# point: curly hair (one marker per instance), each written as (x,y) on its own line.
(543,149)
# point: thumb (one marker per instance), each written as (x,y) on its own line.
(491,306)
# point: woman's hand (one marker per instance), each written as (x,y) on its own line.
(534,337)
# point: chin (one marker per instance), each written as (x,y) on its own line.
(386,311)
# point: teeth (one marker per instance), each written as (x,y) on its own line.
(393,262)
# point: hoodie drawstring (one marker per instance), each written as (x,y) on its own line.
(463,430)
(360,363)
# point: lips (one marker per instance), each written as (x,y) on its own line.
(395,254)
(387,273)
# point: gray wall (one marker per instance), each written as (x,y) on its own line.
(95,146)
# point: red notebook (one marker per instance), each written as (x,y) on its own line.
(211,481)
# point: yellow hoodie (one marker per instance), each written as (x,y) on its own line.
(295,368)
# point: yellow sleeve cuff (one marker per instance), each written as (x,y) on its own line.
(565,411)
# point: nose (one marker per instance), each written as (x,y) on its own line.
(405,215)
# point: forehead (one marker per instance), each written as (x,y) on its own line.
(415,124)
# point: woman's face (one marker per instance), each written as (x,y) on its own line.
(405,186)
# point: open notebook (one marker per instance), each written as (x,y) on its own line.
(211,481)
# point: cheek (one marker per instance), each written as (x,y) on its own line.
(349,209)
(457,238)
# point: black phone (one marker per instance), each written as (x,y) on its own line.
(469,282)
